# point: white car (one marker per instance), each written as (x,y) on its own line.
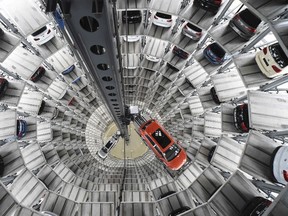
(280,164)
(162,20)
(131,38)
(272,61)
(192,31)
(152,58)
(109,145)
(43,35)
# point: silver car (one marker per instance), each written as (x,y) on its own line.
(109,145)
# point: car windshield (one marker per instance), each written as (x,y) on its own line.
(217,50)
(172,152)
(246,115)
(278,55)
(161,138)
(104,149)
(249,18)
(132,13)
(164,16)
(109,144)
(39,31)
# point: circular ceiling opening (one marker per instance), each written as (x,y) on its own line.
(112,94)
(107,78)
(110,87)
(103,66)
(97,49)
(88,23)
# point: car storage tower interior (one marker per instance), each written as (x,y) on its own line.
(55,167)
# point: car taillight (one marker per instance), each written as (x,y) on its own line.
(265,50)
(218,2)
(276,69)
(155,17)
(285,175)
(253,30)
(48,31)
(243,126)
(36,39)
(169,20)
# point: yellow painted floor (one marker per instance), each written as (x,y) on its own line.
(135,148)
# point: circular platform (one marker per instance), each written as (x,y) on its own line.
(135,148)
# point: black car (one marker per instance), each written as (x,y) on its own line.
(215,54)
(211,153)
(180,53)
(1,32)
(179,211)
(214,96)
(38,74)
(245,24)
(42,106)
(131,16)
(209,5)
(256,207)
(3,86)
(1,166)
(166,194)
(241,117)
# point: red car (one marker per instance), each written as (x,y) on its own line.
(3,86)
(163,145)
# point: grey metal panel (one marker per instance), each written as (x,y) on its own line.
(233,196)
(175,201)
(192,148)
(91,209)
(136,196)
(74,193)
(50,154)
(8,128)
(157,192)
(166,6)
(58,204)
(8,42)
(198,127)
(57,89)
(227,154)
(228,85)
(160,181)
(25,15)
(249,70)
(206,184)
(50,179)
(30,102)
(267,9)
(22,62)
(139,209)
(275,114)
(33,156)
(257,155)
(13,93)
(280,205)
(8,204)
(203,210)
(189,175)
(205,97)
(228,125)
(203,151)
(21,210)
(212,124)
(27,189)
(132,4)
(65,173)
(195,74)
(279,28)
(102,196)
(12,158)
(132,187)
(44,131)
(31,132)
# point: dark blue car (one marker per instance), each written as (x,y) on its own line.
(215,54)
(68,70)
(21,128)
(58,18)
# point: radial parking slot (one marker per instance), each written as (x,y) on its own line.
(33,156)
(30,102)
(226,36)
(279,28)
(31,131)
(227,154)
(44,132)
(13,93)
(22,62)
(169,6)
(136,208)
(228,86)
(249,70)
(8,128)
(273,117)
(57,89)
(212,124)
(8,42)
(227,115)
(257,156)
(25,15)
(130,47)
